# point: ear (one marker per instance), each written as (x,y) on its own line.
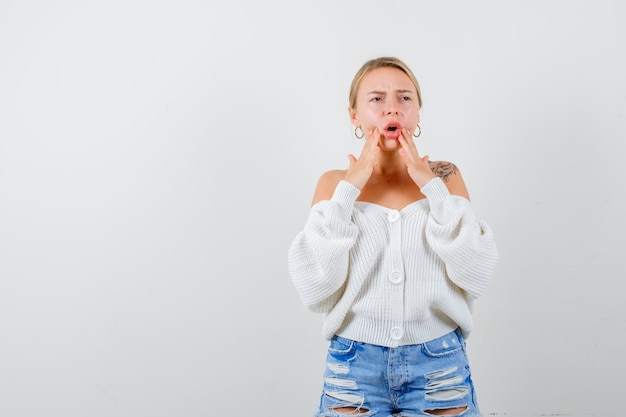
(354,118)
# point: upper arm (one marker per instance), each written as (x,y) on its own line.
(326,185)
(451,177)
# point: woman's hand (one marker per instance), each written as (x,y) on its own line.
(361,169)
(416,165)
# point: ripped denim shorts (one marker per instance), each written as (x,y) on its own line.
(414,380)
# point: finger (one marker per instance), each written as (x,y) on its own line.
(372,143)
(352,160)
(407,158)
(371,135)
(403,137)
(409,148)
(406,136)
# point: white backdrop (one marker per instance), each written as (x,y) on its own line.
(157,158)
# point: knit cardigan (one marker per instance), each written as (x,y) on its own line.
(392,277)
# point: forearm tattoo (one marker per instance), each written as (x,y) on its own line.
(443,170)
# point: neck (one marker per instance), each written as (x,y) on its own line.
(390,165)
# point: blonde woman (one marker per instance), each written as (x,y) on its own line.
(393,256)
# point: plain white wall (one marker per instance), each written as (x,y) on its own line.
(157,158)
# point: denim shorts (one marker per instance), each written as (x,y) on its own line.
(407,381)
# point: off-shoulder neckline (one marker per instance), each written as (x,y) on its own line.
(414,205)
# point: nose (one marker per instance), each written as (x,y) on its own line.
(392,108)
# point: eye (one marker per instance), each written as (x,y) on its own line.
(406,98)
(377,98)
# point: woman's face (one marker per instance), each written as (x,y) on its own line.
(386,100)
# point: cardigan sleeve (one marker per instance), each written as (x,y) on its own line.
(464,243)
(318,257)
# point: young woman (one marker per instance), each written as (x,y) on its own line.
(394,257)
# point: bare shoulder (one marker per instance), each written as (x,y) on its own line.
(444,170)
(451,176)
(327,183)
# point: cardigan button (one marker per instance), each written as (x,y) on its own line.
(396,333)
(395,277)
(393,216)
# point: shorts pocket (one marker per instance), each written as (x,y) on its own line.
(445,345)
(342,349)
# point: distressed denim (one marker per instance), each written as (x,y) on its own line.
(407,381)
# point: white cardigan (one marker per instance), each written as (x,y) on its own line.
(390,277)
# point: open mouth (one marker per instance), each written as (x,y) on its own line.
(392,127)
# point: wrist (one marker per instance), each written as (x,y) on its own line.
(355,181)
(422,180)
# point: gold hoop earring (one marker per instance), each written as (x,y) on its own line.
(419,132)
(356,134)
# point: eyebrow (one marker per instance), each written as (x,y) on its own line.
(403,91)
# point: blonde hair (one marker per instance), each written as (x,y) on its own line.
(372,64)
